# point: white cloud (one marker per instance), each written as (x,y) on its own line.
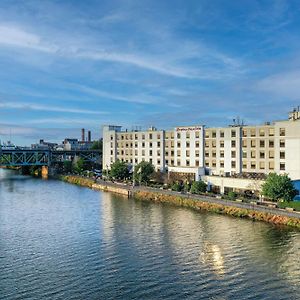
(49,108)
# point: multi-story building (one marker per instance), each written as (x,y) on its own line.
(233,151)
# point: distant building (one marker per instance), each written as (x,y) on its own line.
(237,152)
(43,145)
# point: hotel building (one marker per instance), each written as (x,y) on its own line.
(236,152)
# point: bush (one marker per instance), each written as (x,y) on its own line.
(232,195)
(143,171)
(177,187)
(198,187)
(119,170)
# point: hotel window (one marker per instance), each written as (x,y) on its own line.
(214,154)
(143,136)
(150,136)
(206,143)
(244,143)
(271,143)
(172,152)
(282,131)
(187,163)
(253,154)
(178,162)
(122,152)
(261,165)
(261,143)
(167,161)
(244,132)
(233,133)
(158,152)
(214,144)
(252,132)
(207,163)
(197,144)
(150,160)
(244,165)
(244,154)
(282,143)
(261,154)
(158,161)
(253,143)
(122,137)
(167,153)
(222,153)
(187,144)
(233,144)
(233,164)
(214,134)
(282,166)
(178,153)
(187,153)
(253,165)
(136,136)
(261,132)
(271,131)
(206,153)
(143,152)
(158,144)
(111,152)
(172,135)
(271,154)
(197,153)
(222,144)
(187,135)
(197,133)
(135,160)
(178,135)
(143,144)
(111,137)
(111,144)
(178,144)
(197,163)
(214,164)
(221,133)
(282,155)
(150,144)
(233,154)
(271,165)
(172,162)
(135,152)
(207,134)
(158,136)
(222,164)
(135,144)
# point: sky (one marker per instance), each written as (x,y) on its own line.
(65,65)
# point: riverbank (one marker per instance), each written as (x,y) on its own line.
(196,202)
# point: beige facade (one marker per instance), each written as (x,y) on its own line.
(223,151)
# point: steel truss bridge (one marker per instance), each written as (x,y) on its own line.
(32,157)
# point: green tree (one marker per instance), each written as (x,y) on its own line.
(177,187)
(277,187)
(97,145)
(198,187)
(78,165)
(119,170)
(143,172)
(67,166)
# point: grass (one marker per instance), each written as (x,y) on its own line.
(293,204)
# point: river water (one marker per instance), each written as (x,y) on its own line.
(59,241)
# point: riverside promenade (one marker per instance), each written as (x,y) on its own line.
(130,191)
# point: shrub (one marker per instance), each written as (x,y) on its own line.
(232,195)
(177,187)
(198,187)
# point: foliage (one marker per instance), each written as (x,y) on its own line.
(232,195)
(198,187)
(293,204)
(177,187)
(119,170)
(67,166)
(97,145)
(78,165)
(278,187)
(143,171)
(187,187)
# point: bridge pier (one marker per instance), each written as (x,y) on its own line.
(45,172)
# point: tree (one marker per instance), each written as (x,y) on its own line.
(119,170)
(67,166)
(198,187)
(78,165)
(278,187)
(143,172)
(97,145)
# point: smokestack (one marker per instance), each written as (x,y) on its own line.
(89,136)
(82,135)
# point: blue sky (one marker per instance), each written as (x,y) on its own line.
(71,64)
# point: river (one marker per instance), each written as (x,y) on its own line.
(59,241)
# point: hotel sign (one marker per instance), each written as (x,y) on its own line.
(191,128)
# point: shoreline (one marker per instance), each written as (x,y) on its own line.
(197,202)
